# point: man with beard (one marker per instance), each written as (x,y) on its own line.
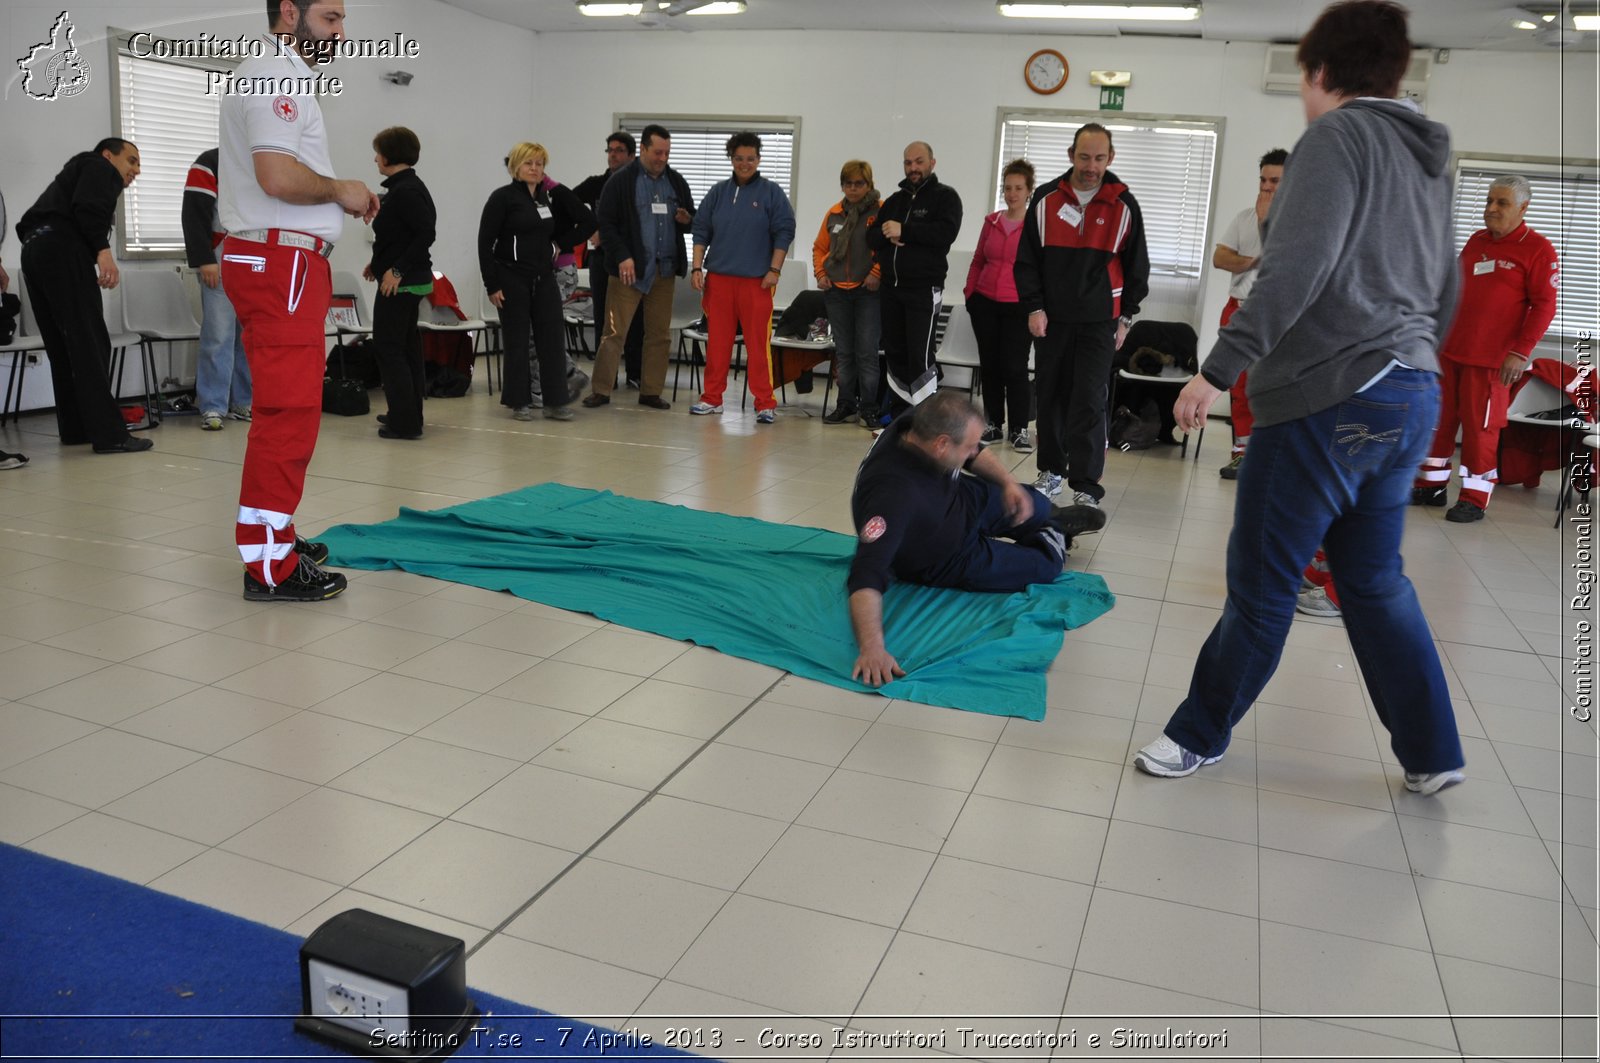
(283,208)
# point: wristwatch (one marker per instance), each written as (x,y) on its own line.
(1127,322)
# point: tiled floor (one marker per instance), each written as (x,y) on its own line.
(651,834)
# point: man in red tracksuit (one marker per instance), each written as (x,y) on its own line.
(282,209)
(1509,280)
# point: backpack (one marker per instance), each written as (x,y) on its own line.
(1135,431)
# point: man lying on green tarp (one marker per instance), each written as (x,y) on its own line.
(919,519)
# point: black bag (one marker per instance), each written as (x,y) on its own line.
(354,360)
(341,393)
(1136,431)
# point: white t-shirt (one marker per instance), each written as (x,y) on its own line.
(290,123)
(1243,235)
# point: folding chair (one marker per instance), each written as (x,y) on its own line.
(157,307)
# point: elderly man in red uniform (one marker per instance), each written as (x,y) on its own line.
(1509,279)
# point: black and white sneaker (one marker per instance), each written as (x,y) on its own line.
(991,434)
(308,583)
(317,552)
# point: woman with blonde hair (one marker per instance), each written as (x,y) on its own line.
(525,225)
(847,273)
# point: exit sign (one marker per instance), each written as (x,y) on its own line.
(1111,97)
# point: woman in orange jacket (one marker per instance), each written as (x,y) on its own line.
(848,276)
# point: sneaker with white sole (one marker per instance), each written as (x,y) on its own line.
(1429,783)
(524,413)
(704,409)
(239,413)
(1084,498)
(1315,602)
(1022,442)
(1168,759)
(766,416)
(211,421)
(991,434)
(12,461)
(1048,484)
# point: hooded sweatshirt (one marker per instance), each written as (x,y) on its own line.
(1358,267)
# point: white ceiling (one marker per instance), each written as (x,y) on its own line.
(1434,23)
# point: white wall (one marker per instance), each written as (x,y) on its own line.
(469,102)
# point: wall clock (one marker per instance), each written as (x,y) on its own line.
(1045,71)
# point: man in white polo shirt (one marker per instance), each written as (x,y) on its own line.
(283,210)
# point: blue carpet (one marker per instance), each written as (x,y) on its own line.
(772,593)
(99,968)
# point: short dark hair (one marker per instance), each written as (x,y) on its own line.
(1021,168)
(1090,127)
(115,145)
(653,132)
(625,138)
(399,145)
(1275,157)
(745,139)
(273,7)
(944,413)
(1360,47)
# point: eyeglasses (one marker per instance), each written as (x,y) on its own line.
(853,184)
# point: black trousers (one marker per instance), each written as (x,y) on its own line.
(633,346)
(65,292)
(1003,345)
(1073,374)
(398,346)
(911,371)
(532,314)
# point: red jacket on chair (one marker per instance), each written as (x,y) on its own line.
(1526,451)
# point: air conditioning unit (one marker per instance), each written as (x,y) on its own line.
(1282,74)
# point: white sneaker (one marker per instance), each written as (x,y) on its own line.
(239,413)
(1168,759)
(211,421)
(1427,784)
(765,416)
(1084,498)
(1048,484)
(702,409)
(1315,602)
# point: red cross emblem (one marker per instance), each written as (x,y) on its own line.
(284,108)
(874,529)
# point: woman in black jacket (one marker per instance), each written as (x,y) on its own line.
(524,226)
(402,235)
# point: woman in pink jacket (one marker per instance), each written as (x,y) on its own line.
(998,320)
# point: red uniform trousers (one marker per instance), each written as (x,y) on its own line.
(1473,401)
(740,302)
(1239,405)
(281,295)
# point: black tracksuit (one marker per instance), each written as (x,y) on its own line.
(402,236)
(913,284)
(61,235)
(518,238)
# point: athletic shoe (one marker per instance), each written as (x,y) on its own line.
(869,420)
(1230,471)
(1463,512)
(12,461)
(840,415)
(1315,602)
(766,416)
(558,413)
(1077,520)
(1084,498)
(239,413)
(704,409)
(991,434)
(577,381)
(317,552)
(1428,783)
(1168,759)
(522,413)
(1022,442)
(211,421)
(1048,484)
(309,583)
(1428,496)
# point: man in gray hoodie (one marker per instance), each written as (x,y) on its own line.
(1340,336)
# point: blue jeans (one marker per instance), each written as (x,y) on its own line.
(1341,478)
(221,373)
(855,322)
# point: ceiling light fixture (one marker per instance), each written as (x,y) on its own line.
(720,7)
(1105,12)
(1587,23)
(609,10)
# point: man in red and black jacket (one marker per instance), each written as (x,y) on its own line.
(1082,270)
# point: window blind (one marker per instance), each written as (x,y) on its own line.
(165,110)
(1565,208)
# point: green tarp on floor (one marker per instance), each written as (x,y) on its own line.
(772,593)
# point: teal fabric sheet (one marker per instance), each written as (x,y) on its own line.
(772,593)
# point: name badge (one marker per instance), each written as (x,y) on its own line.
(1480,268)
(544,211)
(836,228)
(1070,214)
(658,208)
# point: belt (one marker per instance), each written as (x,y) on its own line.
(286,238)
(40,231)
